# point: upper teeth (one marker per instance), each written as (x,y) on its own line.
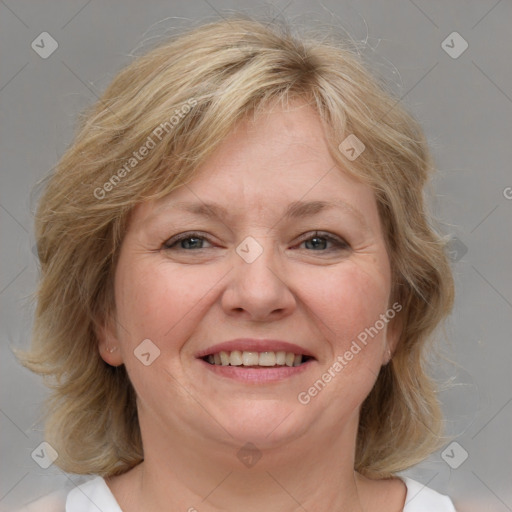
(238,358)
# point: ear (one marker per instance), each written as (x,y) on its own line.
(393,333)
(108,343)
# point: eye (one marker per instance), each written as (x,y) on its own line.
(186,241)
(319,241)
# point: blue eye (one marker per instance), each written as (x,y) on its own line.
(320,241)
(184,240)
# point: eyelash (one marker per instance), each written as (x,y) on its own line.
(339,243)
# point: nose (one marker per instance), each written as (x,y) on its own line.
(258,290)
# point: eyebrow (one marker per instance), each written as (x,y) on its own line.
(295,210)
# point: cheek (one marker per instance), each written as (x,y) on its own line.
(350,305)
(349,301)
(157,301)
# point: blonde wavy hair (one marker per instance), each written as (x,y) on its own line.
(194,88)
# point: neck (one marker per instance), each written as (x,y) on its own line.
(310,472)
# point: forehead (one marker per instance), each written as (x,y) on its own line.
(277,160)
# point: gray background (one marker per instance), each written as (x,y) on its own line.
(465,106)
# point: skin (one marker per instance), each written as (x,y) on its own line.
(301,289)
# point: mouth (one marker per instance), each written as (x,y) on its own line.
(256,361)
(253,359)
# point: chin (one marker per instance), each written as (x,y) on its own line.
(265,423)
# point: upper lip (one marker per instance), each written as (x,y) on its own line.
(255,345)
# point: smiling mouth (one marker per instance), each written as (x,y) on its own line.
(251,359)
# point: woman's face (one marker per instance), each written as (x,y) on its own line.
(270,243)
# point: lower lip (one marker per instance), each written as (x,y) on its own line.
(257,375)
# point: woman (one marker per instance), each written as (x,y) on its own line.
(239,280)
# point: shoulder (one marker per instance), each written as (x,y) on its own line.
(54,502)
(91,496)
(420,498)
